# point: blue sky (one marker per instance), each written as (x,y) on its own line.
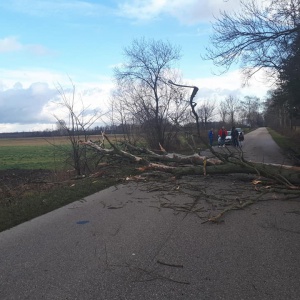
(45,43)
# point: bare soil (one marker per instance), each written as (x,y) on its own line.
(17,182)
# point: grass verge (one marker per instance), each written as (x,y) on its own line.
(290,145)
(37,199)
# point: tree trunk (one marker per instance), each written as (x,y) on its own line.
(181,165)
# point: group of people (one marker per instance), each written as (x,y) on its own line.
(236,137)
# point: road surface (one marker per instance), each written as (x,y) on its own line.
(260,147)
(125,243)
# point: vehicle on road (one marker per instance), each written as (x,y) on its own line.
(239,130)
(228,137)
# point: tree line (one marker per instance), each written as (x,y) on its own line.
(264,35)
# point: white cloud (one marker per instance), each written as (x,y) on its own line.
(220,87)
(19,105)
(26,77)
(38,49)
(187,11)
(10,44)
(29,98)
(143,10)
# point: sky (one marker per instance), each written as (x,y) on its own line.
(49,45)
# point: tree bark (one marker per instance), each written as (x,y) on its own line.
(181,165)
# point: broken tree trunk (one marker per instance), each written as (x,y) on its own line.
(284,174)
(181,165)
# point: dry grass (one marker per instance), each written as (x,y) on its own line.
(39,141)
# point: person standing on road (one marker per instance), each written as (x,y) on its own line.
(211,137)
(234,137)
(241,139)
(222,134)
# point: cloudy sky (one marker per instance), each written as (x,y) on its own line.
(46,43)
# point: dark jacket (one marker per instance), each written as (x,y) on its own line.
(234,134)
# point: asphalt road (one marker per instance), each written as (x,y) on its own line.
(118,244)
(260,147)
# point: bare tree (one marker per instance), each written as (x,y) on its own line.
(124,114)
(223,111)
(78,123)
(60,126)
(232,106)
(250,110)
(146,95)
(206,111)
(277,110)
(259,36)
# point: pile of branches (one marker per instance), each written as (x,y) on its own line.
(182,165)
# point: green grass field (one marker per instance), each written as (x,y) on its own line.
(33,153)
(29,157)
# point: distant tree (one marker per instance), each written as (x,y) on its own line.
(289,81)
(278,113)
(223,111)
(123,114)
(61,126)
(232,108)
(146,97)
(250,110)
(206,111)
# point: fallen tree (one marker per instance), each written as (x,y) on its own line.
(182,165)
(229,181)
